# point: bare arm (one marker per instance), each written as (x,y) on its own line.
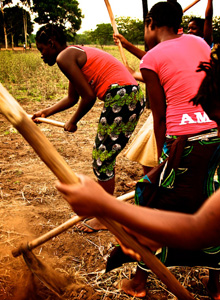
(135,74)
(157,105)
(172,229)
(70,100)
(70,61)
(208,35)
(128,46)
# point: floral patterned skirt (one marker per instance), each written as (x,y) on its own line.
(123,106)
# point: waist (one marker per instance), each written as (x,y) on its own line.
(203,135)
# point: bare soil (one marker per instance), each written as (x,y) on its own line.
(31,206)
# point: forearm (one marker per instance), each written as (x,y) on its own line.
(208,35)
(63,104)
(134,50)
(160,132)
(84,107)
(135,74)
(128,46)
(170,229)
(209,10)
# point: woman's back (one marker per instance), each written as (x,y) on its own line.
(175,61)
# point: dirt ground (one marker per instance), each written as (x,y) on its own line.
(31,206)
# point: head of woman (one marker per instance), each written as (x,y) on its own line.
(196,26)
(50,40)
(162,14)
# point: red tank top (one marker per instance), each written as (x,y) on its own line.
(102,70)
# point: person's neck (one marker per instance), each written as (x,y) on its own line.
(166,33)
(60,47)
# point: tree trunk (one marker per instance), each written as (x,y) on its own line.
(4,28)
(25,27)
(12,41)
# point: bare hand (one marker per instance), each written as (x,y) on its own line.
(70,127)
(121,38)
(39,114)
(146,242)
(129,251)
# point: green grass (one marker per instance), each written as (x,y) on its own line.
(28,78)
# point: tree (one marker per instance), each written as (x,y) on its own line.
(102,35)
(216,30)
(63,12)
(13,17)
(132,29)
(3,4)
(83,38)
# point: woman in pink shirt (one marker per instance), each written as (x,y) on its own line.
(94,73)
(187,180)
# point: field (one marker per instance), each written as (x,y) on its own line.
(31,206)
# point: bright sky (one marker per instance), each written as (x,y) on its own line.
(95,11)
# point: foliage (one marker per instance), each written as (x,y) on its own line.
(13,17)
(83,39)
(5,2)
(102,35)
(63,12)
(216,30)
(132,29)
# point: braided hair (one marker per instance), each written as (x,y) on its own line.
(209,91)
(51,31)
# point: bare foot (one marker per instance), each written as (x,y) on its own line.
(131,184)
(90,225)
(132,288)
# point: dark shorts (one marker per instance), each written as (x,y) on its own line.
(122,109)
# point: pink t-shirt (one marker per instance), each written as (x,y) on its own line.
(102,70)
(175,62)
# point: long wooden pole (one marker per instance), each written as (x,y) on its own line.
(145,11)
(115,29)
(49,121)
(60,229)
(190,5)
(20,120)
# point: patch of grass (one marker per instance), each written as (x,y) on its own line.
(25,75)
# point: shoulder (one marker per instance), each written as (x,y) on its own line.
(195,39)
(71,53)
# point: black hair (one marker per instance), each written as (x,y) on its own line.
(49,31)
(209,90)
(166,14)
(199,22)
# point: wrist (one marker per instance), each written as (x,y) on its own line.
(46,112)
